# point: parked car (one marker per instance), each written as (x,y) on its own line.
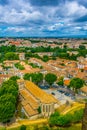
(53,93)
(61,91)
(44,87)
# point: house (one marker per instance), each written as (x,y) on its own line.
(80,59)
(80,66)
(66,81)
(33,98)
(10,63)
(22,56)
(85,69)
(84,90)
(72,52)
(4,77)
(45,53)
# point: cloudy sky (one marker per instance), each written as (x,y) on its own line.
(43,18)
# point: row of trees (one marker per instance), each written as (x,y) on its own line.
(34,77)
(50,78)
(45,58)
(8,100)
(7,52)
(61,53)
(38,77)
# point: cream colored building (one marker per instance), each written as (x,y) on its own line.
(22,56)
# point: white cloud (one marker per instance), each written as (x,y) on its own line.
(77,28)
(55,26)
(16,29)
(74,9)
(20,12)
(85,27)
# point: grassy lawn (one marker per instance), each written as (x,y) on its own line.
(30,122)
(2,128)
(64,109)
(14,128)
(73,108)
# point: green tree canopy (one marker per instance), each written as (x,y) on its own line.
(45,58)
(82,47)
(35,77)
(60,81)
(8,98)
(76,83)
(50,78)
(7,107)
(19,66)
(11,56)
(14,78)
(67,119)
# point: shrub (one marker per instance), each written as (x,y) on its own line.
(23,127)
(66,120)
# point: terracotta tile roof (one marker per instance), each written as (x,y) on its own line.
(28,68)
(67,82)
(85,68)
(5,75)
(38,93)
(11,61)
(17,43)
(84,89)
(29,110)
(80,75)
(29,98)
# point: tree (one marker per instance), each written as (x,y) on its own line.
(7,107)
(9,83)
(14,78)
(11,56)
(61,120)
(77,116)
(60,81)
(50,78)
(84,120)
(28,55)
(39,109)
(35,77)
(82,52)
(82,47)
(66,119)
(19,66)
(45,58)
(23,127)
(76,83)
(8,99)
(11,89)
(53,118)
(65,46)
